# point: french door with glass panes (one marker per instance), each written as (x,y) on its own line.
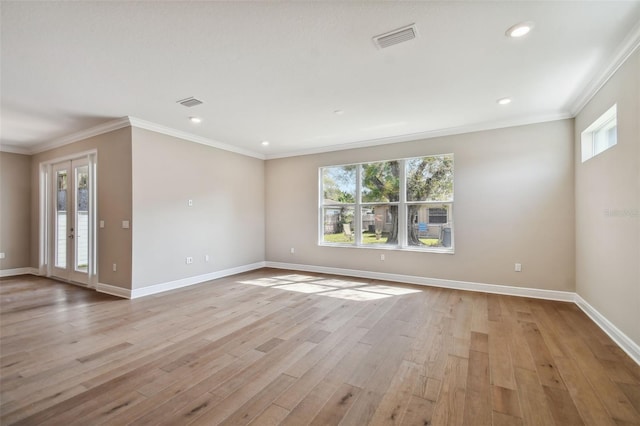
(71,231)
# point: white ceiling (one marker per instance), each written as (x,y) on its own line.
(277,71)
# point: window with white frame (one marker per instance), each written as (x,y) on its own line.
(601,135)
(399,204)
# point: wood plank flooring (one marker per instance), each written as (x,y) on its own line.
(274,347)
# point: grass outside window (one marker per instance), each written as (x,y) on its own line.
(370,238)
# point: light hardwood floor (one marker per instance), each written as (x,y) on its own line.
(280,347)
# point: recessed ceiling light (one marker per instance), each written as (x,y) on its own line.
(195,120)
(519,30)
(265,143)
(338,111)
(504,101)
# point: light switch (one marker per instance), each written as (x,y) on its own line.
(102,224)
(125,224)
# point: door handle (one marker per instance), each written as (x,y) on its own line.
(71,236)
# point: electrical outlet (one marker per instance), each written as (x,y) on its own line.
(102,224)
(2,255)
(115,267)
(206,257)
(518,267)
(189,260)
(190,203)
(293,250)
(382,257)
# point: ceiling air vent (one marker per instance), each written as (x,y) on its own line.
(396,36)
(190,102)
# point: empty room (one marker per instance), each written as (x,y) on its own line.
(320,213)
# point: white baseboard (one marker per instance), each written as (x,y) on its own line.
(626,344)
(184,282)
(18,271)
(564,296)
(114,290)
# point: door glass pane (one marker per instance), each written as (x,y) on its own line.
(61,219)
(82,219)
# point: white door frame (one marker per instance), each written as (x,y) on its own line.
(46,207)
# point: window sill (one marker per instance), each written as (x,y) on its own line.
(439,250)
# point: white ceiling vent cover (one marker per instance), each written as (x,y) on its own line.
(190,102)
(396,36)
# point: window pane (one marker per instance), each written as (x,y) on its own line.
(380,224)
(381,182)
(61,219)
(338,226)
(429,225)
(604,139)
(430,178)
(82,218)
(600,135)
(339,184)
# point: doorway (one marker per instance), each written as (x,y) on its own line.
(70,216)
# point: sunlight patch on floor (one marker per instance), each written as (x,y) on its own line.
(395,291)
(356,294)
(266,282)
(305,287)
(340,283)
(333,287)
(296,277)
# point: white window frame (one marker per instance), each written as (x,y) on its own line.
(604,123)
(402,204)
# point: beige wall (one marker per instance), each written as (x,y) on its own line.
(513,203)
(114,201)
(608,206)
(225,222)
(15,210)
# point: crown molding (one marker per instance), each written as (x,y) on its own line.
(126,122)
(100,129)
(12,149)
(154,127)
(626,49)
(478,127)
(147,125)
